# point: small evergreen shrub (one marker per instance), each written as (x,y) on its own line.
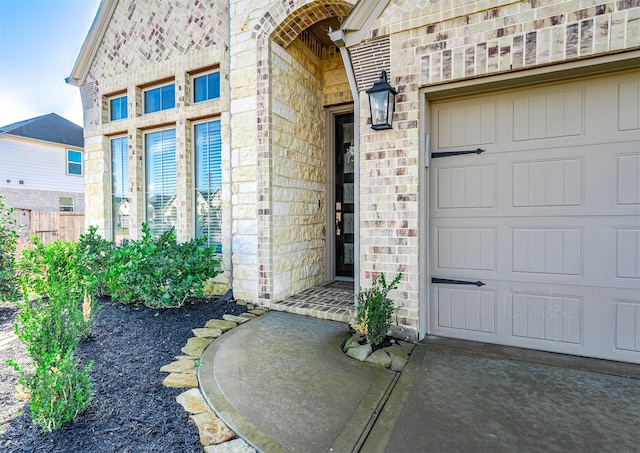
(160,272)
(95,255)
(55,323)
(58,390)
(55,265)
(50,327)
(9,288)
(374,309)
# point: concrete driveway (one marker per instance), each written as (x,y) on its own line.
(459,396)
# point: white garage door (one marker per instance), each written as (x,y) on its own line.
(547,217)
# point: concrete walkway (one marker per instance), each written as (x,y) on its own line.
(283,384)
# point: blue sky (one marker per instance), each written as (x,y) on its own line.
(39,43)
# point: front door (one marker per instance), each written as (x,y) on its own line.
(344,220)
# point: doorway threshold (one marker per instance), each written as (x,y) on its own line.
(334,300)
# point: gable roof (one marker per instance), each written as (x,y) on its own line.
(49,128)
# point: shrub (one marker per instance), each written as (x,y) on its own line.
(160,272)
(374,309)
(51,327)
(8,246)
(58,391)
(55,265)
(53,324)
(95,255)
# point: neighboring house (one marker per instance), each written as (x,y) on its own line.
(252,109)
(41,165)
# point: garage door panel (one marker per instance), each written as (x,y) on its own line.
(548,183)
(627,329)
(466,124)
(543,114)
(463,309)
(547,251)
(466,248)
(628,254)
(551,318)
(547,217)
(473,186)
(628,179)
(629,105)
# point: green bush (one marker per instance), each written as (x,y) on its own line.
(55,265)
(374,309)
(160,272)
(8,245)
(53,324)
(51,327)
(95,255)
(58,391)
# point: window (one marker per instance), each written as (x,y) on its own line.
(161,98)
(208,183)
(74,162)
(66,204)
(120,189)
(160,190)
(206,87)
(118,108)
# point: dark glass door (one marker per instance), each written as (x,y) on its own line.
(344,212)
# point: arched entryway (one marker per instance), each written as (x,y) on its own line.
(301,88)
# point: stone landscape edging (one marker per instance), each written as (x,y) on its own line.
(393,357)
(215,435)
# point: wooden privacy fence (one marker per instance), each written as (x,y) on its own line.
(50,225)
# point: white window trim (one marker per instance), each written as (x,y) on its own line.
(67,162)
(193,86)
(155,87)
(113,98)
(72,205)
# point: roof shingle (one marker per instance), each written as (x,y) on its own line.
(51,128)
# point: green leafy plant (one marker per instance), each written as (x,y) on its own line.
(58,390)
(8,245)
(95,255)
(160,272)
(53,324)
(50,327)
(54,265)
(373,312)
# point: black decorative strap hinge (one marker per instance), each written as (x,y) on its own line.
(457,282)
(456,153)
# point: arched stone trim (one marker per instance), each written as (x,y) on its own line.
(281,25)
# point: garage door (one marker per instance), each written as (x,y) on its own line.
(535,241)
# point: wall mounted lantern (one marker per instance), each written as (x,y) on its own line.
(382,103)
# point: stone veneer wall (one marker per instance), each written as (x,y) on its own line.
(278,25)
(438,41)
(299,170)
(148,43)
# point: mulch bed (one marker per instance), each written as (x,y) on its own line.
(131,410)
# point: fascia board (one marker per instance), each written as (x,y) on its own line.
(360,20)
(92,43)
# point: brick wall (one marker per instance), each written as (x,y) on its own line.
(147,43)
(439,41)
(39,200)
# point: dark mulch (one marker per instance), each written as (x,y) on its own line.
(131,410)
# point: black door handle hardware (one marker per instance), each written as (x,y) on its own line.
(456,153)
(456,282)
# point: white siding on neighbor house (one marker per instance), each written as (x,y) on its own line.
(41,166)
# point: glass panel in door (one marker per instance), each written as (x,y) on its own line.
(344,208)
